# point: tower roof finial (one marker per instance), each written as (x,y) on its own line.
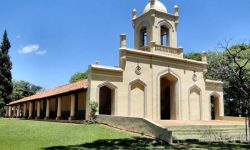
(155,4)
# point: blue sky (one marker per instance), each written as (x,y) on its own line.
(53,39)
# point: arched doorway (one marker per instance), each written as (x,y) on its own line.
(106,101)
(168,96)
(214,101)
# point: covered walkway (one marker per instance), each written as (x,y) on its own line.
(66,102)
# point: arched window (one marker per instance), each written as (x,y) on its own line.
(164,36)
(143,37)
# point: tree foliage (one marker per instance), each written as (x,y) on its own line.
(193,56)
(79,76)
(5,71)
(23,89)
(232,65)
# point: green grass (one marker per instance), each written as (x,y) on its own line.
(24,134)
(31,135)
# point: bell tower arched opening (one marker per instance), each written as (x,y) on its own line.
(156,29)
(164,36)
(143,37)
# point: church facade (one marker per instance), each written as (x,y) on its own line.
(153,79)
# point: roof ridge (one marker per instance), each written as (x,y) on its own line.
(55,91)
(67,84)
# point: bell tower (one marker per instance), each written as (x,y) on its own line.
(156,29)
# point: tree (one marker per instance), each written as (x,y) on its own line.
(79,76)
(193,56)
(5,70)
(23,89)
(232,66)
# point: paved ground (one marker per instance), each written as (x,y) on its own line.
(188,123)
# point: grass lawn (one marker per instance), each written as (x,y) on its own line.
(31,135)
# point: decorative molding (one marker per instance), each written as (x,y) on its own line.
(97,74)
(194,78)
(213,82)
(138,69)
(166,23)
(142,24)
(106,68)
(191,66)
(214,93)
(163,56)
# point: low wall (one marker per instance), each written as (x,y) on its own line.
(230,118)
(137,125)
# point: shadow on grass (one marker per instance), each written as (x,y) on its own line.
(145,143)
(110,144)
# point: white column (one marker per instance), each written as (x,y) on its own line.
(18,111)
(6,108)
(10,111)
(14,111)
(24,110)
(72,106)
(30,110)
(6,111)
(47,109)
(59,107)
(38,110)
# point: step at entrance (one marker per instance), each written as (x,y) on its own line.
(208,133)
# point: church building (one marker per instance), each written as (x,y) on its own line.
(153,80)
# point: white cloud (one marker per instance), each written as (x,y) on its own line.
(42,52)
(32,48)
(29,49)
(18,36)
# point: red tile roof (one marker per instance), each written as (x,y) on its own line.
(83,84)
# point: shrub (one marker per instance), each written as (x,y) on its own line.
(93,110)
